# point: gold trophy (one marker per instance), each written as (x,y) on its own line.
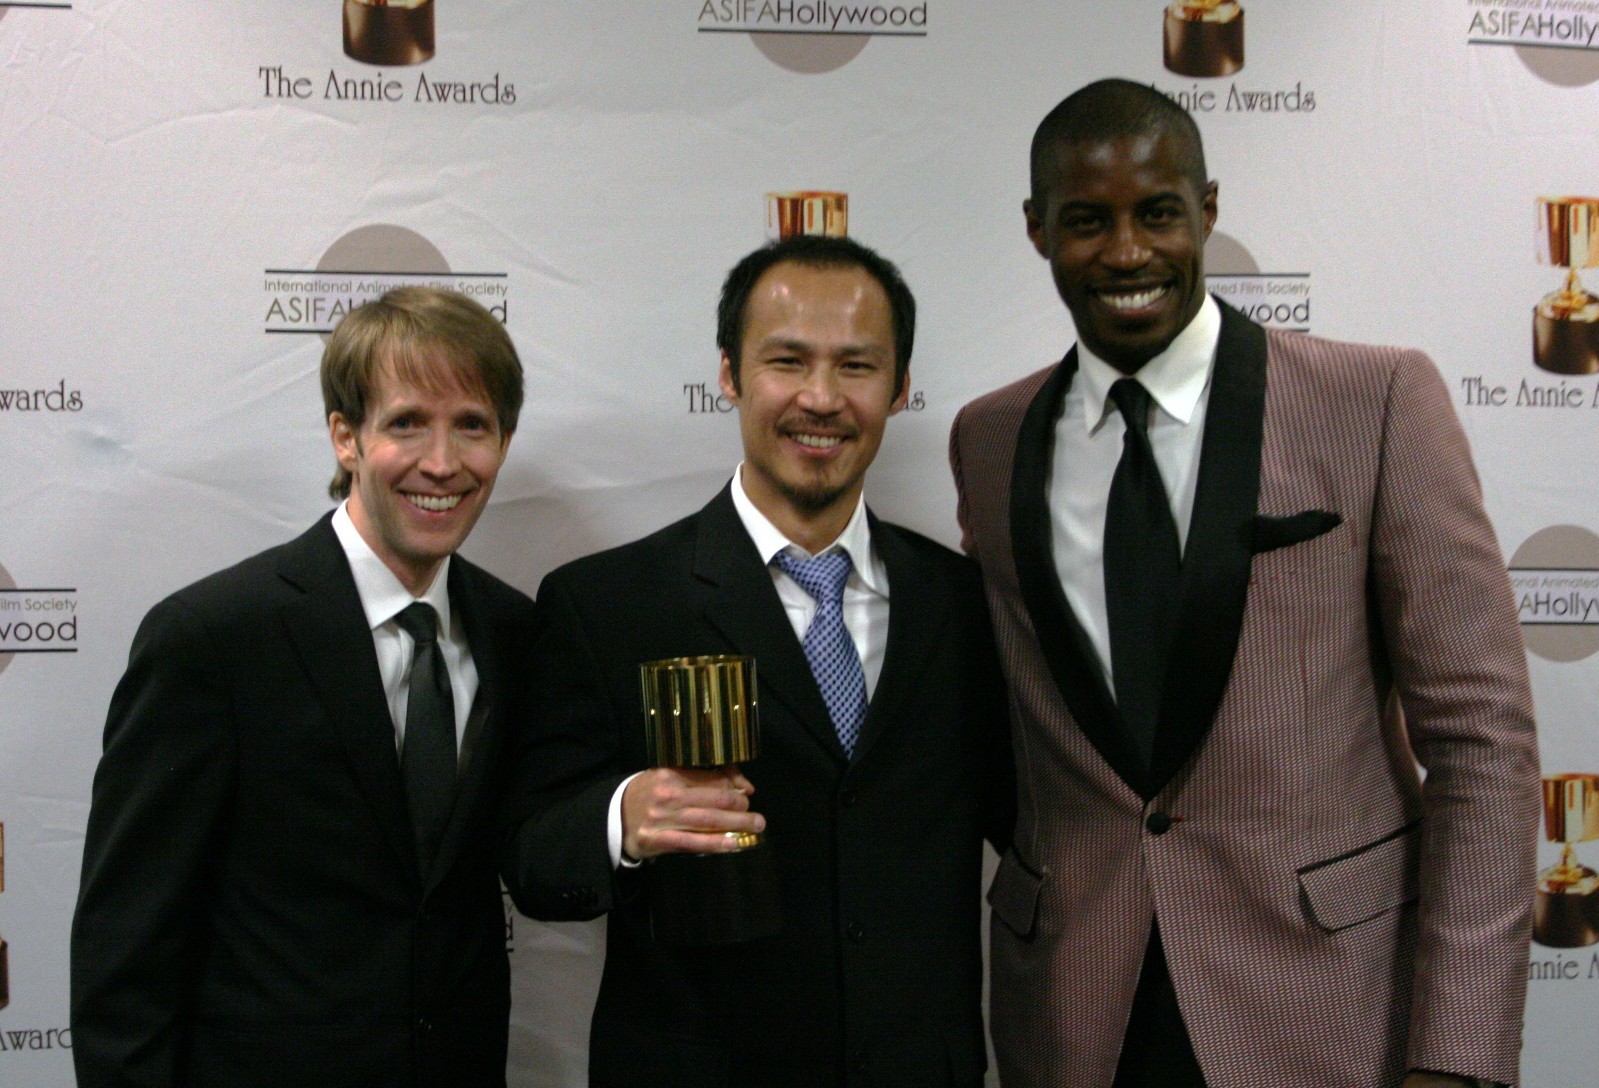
(701,712)
(807,212)
(1565,324)
(1204,38)
(5,960)
(388,32)
(1565,913)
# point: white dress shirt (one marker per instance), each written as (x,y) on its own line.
(382,598)
(1088,446)
(865,604)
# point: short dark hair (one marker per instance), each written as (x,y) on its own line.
(392,333)
(1113,109)
(815,251)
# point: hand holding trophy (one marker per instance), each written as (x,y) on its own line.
(710,872)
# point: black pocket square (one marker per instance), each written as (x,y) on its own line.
(1269,533)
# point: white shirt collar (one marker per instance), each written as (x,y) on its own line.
(1175,378)
(383,595)
(856,539)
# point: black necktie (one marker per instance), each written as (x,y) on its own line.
(1143,571)
(427,756)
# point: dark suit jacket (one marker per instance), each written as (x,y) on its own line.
(252,910)
(877,974)
(1344,613)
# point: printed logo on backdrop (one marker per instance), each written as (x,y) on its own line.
(37,5)
(813,36)
(27,1038)
(1204,40)
(51,398)
(359,267)
(35,621)
(1557,40)
(788,215)
(1555,577)
(382,34)
(1277,300)
(1565,321)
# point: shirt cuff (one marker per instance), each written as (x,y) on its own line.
(613,827)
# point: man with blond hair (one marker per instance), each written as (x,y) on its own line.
(289,874)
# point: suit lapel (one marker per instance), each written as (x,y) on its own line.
(744,608)
(330,633)
(916,615)
(1216,558)
(1066,648)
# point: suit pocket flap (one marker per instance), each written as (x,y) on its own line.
(1347,890)
(1270,533)
(1014,894)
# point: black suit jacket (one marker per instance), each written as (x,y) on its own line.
(252,911)
(876,977)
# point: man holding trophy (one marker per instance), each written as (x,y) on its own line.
(793,890)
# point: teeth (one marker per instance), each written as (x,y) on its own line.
(435,503)
(818,441)
(1134,301)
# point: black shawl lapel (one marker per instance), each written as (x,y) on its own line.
(917,612)
(1216,558)
(1066,648)
(743,606)
(329,630)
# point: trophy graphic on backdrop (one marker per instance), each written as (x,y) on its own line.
(388,32)
(791,214)
(701,712)
(1565,912)
(1565,323)
(1204,38)
(5,953)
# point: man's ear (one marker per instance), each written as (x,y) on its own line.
(1035,227)
(903,395)
(726,379)
(346,443)
(1208,204)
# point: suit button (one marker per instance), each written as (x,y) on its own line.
(847,798)
(862,1062)
(424,1025)
(1158,823)
(855,931)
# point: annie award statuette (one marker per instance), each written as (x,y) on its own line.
(1565,913)
(388,32)
(807,212)
(701,712)
(1204,38)
(5,953)
(1565,324)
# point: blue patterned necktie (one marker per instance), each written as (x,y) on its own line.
(827,645)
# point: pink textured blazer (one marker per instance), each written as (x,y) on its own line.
(1330,918)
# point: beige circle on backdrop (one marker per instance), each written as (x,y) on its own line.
(810,54)
(1561,67)
(383,247)
(1560,547)
(6,582)
(1224,256)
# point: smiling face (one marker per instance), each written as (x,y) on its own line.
(1123,226)
(816,387)
(423,464)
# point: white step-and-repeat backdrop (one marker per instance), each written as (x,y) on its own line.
(194,191)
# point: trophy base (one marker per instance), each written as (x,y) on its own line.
(388,36)
(1204,50)
(714,899)
(1563,346)
(1564,920)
